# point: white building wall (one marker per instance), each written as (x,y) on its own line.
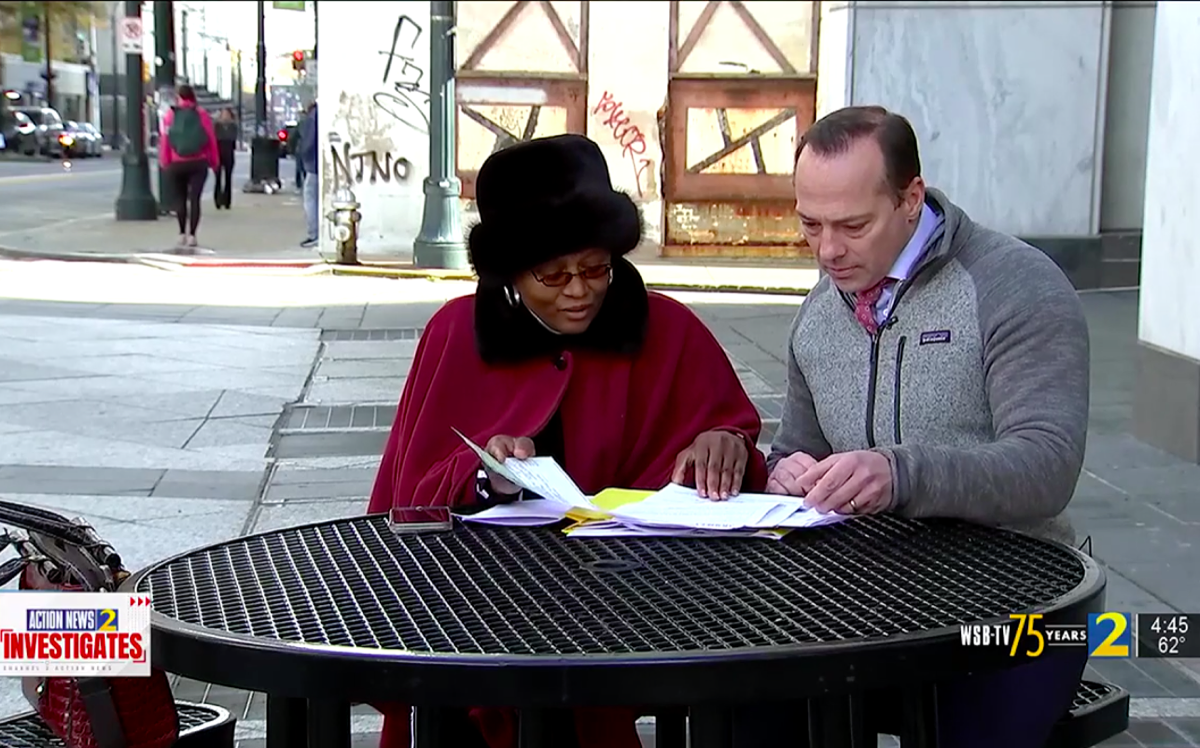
(1170,308)
(1007,100)
(373,128)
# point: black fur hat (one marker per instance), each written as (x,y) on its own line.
(546,198)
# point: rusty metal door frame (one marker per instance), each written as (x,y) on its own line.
(523,88)
(749,199)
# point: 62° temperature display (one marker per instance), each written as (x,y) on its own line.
(1168,635)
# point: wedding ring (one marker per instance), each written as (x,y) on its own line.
(853,508)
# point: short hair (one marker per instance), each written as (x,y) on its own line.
(834,133)
(185,93)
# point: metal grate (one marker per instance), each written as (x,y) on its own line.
(1090,693)
(536,592)
(328,417)
(29,731)
(399,333)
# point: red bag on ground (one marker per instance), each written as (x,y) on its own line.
(67,556)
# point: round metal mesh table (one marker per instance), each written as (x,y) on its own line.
(350,609)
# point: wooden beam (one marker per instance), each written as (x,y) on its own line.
(763,37)
(560,30)
(493,36)
(673,36)
(731,146)
(585,22)
(693,37)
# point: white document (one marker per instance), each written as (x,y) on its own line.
(667,509)
(541,475)
(614,529)
(519,514)
(782,511)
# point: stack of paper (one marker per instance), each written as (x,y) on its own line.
(675,511)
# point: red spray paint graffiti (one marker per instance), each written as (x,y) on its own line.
(628,135)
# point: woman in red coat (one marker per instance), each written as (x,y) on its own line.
(562,352)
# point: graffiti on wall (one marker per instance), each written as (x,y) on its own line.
(404,101)
(612,116)
(357,166)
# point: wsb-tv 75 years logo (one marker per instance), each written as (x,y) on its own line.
(1027,635)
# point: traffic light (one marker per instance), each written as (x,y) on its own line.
(298,60)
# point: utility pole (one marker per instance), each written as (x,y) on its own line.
(164,83)
(49,74)
(115,26)
(316,29)
(439,244)
(135,203)
(183,48)
(264,150)
(239,87)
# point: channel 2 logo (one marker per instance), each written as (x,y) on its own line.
(1109,635)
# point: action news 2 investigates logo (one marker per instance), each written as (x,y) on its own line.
(1026,635)
(67,634)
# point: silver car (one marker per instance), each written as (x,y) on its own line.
(78,141)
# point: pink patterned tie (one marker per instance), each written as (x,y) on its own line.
(864,305)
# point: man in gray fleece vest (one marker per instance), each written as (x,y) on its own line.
(939,369)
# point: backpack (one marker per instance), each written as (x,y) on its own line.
(187,136)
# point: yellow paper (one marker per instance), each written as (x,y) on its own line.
(612,498)
(579,514)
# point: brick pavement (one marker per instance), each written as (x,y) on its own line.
(1138,504)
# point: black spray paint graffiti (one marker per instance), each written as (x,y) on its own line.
(353,166)
(406,102)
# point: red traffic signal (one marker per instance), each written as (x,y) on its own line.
(283,135)
(298,59)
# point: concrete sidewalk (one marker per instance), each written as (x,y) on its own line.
(177,421)
(259,227)
(265,231)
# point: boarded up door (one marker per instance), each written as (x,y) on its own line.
(522,74)
(742,88)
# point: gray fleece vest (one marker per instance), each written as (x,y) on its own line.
(975,387)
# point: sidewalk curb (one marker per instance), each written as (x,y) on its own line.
(174,262)
(11,253)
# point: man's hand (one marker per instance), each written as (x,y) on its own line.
(718,461)
(785,477)
(503,447)
(849,483)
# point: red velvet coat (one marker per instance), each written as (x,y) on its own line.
(625,419)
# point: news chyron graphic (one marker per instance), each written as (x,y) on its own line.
(47,634)
(1107,635)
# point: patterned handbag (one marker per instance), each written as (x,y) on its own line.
(55,553)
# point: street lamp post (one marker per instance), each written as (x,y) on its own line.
(439,244)
(264,150)
(135,202)
(115,25)
(164,81)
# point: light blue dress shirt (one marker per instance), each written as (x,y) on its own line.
(909,258)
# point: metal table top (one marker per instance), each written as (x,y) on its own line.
(347,609)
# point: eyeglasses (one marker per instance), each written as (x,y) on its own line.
(563,277)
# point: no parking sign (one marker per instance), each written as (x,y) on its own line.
(131,35)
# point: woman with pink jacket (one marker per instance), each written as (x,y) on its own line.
(187,149)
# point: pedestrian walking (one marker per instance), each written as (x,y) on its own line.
(226,129)
(306,152)
(187,149)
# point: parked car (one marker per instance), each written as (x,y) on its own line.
(99,136)
(20,134)
(49,129)
(78,141)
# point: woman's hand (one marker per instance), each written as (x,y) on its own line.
(718,461)
(503,447)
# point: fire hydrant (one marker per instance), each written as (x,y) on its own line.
(344,218)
